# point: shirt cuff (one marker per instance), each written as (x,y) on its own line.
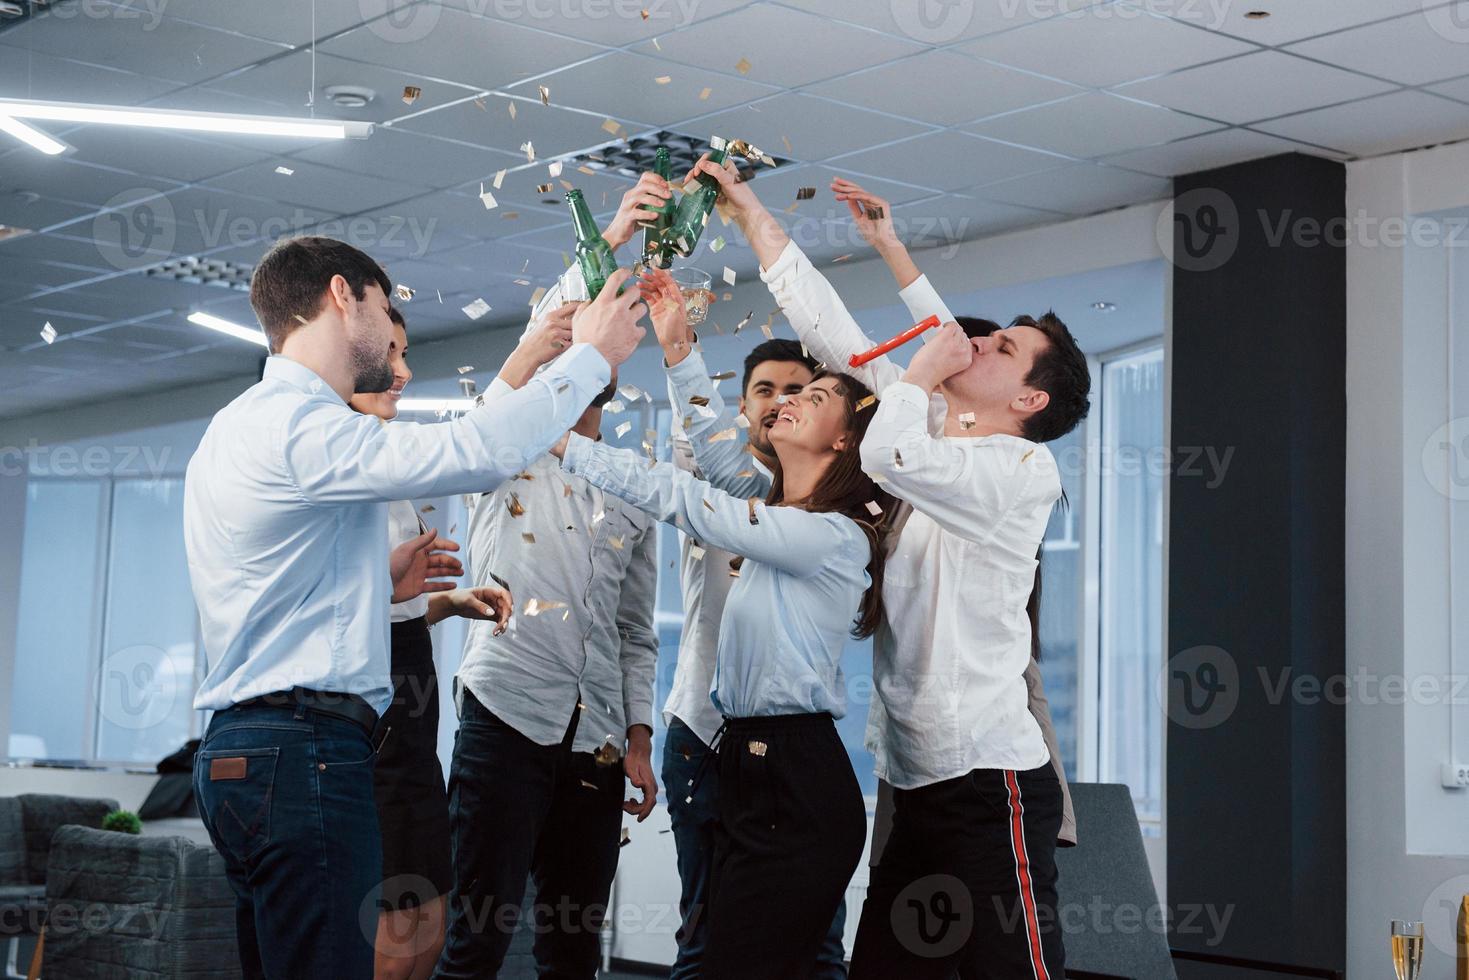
(688,370)
(581,364)
(577,457)
(638,712)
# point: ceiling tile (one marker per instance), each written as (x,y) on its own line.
(162,154)
(784,47)
(815,128)
(131,38)
(930,23)
(27,74)
(948,161)
(422,220)
(1106,45)
(951,218)
(395,154)
(456,46)
(553,131)
(625,85)
(777,188)
(613,24)
(1287,21)
(1457,89)
(71,179)
(1218,149)
(1091,125)
(32,211)
(1438,40)
(284,21)
(1254,86)
(1398,121)
(316,187)
(944,88)
(1081,189)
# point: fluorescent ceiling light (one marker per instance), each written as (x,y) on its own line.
(31,136)
(252,334)
(204,122)
(435,404)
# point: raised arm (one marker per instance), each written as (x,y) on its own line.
(873,218)
(793,540)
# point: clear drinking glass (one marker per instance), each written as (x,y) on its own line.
(1407,948)
(694,284)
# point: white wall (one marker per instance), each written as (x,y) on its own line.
(1407,837)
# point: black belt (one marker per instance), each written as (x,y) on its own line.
(348,707)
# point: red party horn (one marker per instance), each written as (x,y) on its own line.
(860,359)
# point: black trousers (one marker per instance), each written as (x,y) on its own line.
(517,807)
(791,828)
(967,882)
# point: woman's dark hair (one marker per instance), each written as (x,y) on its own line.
(845,489)
(397,318)
(292,278)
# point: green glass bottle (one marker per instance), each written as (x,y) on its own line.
(693,210)
(593,253)
(657,252)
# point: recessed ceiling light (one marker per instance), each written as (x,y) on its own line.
(1102,306)
(1256,14)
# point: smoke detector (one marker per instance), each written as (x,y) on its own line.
(349,96)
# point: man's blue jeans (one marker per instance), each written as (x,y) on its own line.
(286,795)
(693,837)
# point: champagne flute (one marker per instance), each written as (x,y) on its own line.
(1407,948)
(694,284)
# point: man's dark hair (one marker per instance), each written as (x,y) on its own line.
(291,279)
(1061,372)
(605,395)
(975,326)
(775,350)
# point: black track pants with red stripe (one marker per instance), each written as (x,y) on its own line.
(967,883)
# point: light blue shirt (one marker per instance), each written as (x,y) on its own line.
(285,519)
(789,613)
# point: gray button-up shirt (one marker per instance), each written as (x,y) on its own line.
(594,555)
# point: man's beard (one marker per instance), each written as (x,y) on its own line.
(371,371)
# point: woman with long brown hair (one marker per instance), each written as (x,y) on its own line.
(793,821)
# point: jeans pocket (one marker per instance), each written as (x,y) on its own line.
(236,790)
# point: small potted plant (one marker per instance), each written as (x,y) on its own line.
(123,821)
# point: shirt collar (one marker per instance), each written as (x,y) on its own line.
(298,376)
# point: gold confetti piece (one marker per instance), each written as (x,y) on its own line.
(873,213)
(698,400)
(405,293)
(554,168)
(966,421)
(465,369)
(696,553)
(300,318)
(710,506)
(874,508)
(744,474)
(786,140)
(511,107)
(805,193)
(734,573)
(722,376)
(411,93)
(440,296)
(499,178)
(751,503)
(726,297)
(663,79)
(631,392)
(727,434)
(792,206)
(426,509)
(645,15)
(614,407)
(529,149)
(480,105)
(623,429)
(657,45)
(626,838)
(866,403)
(527,477)
(765,329)
(1028,454)
(545,94)
(704,94)
(510,215)
(534,607)
(514,506)
(611,125)
(488,198)
(528,538)
(543,189)
(284,171)
(476,309)
(717,244)
(48,333)
(743,323)
(597,517)
(566,184)
(742,422)
(729,276)
(588,785)
(616,543)
(842,258)
(522,282)
(565,489)
(743,66)
(536,296)
(897,459)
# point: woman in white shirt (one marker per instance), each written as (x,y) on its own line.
(793,821)
(408,779)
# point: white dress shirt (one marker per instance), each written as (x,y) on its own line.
(286,523)
(705,577)
(594,554)
(798,593)
(950,660)
(404,525)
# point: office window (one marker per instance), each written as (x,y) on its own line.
(1130,593)
(1063,574)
